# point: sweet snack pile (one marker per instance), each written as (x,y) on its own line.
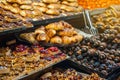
(43,9)
(54,33)
(69,74)
(8,21)
(109,19)
(23,60)
(100,53)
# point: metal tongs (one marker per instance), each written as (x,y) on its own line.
(87,20)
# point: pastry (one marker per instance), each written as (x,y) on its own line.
(67,32)
(54,6)
(42,9)
(39,31)
(29,36)
(66,40)
(51,32)
(53,12)
(55,26)
(39,4)
(42,37)
(50,1)
(56,40)
(28,7)
(78,38)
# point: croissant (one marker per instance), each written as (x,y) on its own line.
(56,40)
(78,38)
(51,32)
(67,32)
(39,31)
(66,40)
(42,37)
(29,37)
(55,26)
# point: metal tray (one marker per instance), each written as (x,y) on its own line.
(58,45)
(31,75)
(88,70)
(14,30)
(62,65)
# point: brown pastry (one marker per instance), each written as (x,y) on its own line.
(50,1)
(55,26)
(42,37)
(28,7)
(56,40)
(67,32)
(29,37)
(54,6)
(50,32)
(53,12)
(66,40)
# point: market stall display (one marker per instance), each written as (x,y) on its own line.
(99,53)
(39,10)
(25,60)
(54,33)
(59,46)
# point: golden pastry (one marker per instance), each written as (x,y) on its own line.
(29,37)
(39,4)
(67,32)
(67,8)
(15,5)
(53,12)
(72,0)
(55,26)
(65,24)
(26,7)
(56,40)
(4,70)
(20,1)
(42,37)
(78,38)
(51,32)
(39,31)
(54,6)
(66,40)
(41,9)
(50,1)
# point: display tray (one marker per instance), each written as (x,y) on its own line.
(5,32)
(62,66)
(30,76)
(58,45)
(89,70)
